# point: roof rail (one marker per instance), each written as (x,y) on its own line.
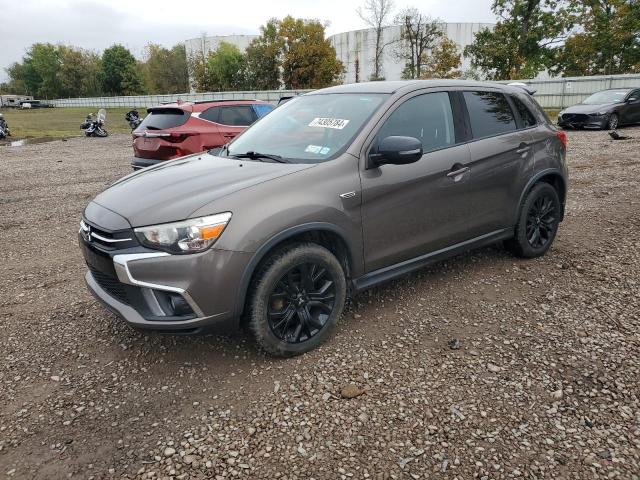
(523,86)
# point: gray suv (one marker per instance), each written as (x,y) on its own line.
(333,192)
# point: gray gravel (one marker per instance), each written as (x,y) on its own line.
(483,366)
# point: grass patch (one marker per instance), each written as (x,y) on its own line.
(60,122)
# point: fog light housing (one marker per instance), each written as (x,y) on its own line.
(179,305)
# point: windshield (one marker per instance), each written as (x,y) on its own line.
(310,128)
(608,96)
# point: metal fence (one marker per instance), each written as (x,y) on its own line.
(144,101)
(564,92)
(552,93)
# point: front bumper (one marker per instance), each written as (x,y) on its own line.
(144,286)
(583,121)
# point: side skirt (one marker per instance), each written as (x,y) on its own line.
(389,273)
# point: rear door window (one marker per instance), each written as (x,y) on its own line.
(163,118)
(427,117)
(528,120)
(490,114)
(237,116)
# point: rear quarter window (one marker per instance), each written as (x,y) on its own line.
(164,118)
(490,113)
(528,119)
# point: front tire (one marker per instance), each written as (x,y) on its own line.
(613,122)
(538,222)
(298,296)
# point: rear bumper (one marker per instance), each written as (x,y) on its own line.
(138,163)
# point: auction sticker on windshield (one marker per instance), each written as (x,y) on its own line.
(337,123)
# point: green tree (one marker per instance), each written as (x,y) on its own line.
(227,68)
(120,73)
(40,71)
(79,72)
(420,33)
(444,61)
(607,41)
(16,83)
(308,58)
(165,70)
(263,58)
(524,41)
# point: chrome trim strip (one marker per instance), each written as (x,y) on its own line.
(109,240)
(121,265)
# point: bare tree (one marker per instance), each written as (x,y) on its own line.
(420,34)
(376,13)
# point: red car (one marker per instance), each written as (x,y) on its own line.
(182,128)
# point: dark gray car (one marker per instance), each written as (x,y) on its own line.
(333,192)
(608,109)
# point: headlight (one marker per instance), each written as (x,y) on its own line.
(190,236)
(601,114)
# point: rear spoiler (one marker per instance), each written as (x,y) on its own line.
(523,86)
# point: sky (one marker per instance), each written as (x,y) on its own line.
(96,25)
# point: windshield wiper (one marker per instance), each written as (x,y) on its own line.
(259,156)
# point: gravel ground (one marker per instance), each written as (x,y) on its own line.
(483,366)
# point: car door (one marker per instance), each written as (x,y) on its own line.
(410,210)
(632,108)
(500,157)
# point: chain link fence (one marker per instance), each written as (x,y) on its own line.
(552,93)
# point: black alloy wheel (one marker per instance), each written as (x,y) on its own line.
(613,122)
(301,303)
(297,296)
(542,219)
(540,215)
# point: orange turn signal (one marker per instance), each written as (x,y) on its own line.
(213,231)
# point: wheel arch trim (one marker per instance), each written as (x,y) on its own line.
(548,172)
(266,247)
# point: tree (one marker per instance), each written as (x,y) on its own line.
(227,68)
(40,69)
(79,72)
(308,59)
(607,42)
(120,73)
(376,15)
(263,58)
(444,61)
(420,33)
(164,70)
(524,41)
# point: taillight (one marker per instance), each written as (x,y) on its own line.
(562,136)
(177,137)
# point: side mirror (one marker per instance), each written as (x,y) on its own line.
(633,99)
(396,150)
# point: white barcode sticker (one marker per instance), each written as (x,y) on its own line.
(337,123)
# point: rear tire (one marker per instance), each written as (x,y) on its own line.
(538,222)
(298,296)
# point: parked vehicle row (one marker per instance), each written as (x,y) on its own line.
(331,193)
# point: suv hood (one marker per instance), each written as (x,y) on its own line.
(174,190)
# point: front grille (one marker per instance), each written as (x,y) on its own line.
(110,284)
(108,240)
(575,117)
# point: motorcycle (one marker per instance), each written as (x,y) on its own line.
(95,127)
(133,117)
(4,128)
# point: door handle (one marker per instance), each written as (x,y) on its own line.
(458,172)
(523,148)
